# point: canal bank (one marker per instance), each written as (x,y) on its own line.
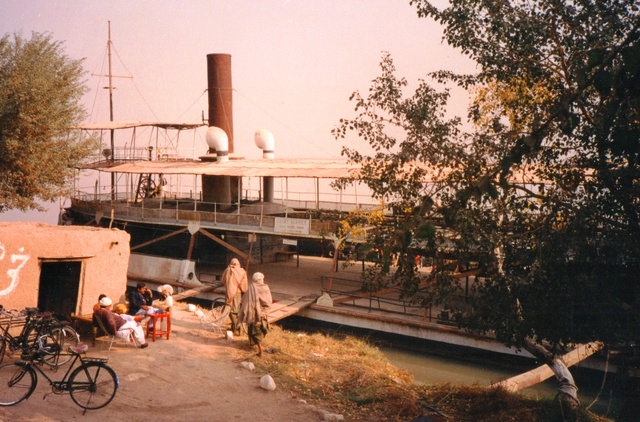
(408,339)
(438,364)
(310,288)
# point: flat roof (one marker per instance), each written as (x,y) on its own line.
(131,125)
(307,168)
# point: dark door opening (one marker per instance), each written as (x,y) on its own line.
(59,285)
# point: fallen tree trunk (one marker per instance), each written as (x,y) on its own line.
(543,372)
(555,365)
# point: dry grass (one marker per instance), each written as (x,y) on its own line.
(346,375)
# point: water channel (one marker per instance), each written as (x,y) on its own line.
(434,363)
(431,363)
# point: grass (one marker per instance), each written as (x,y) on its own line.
(346,375)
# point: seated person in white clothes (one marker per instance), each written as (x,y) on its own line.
(114,323)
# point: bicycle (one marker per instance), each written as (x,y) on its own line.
(34,325)
(91,385)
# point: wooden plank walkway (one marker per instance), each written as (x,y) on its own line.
(287,307)
(280,309)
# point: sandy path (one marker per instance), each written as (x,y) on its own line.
(194,376)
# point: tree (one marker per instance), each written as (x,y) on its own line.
(541,196)
(40,89)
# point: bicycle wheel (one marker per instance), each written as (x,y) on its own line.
(17,382)
(93,385)
(63,338)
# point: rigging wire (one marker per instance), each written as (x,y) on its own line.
(309,142)
(95,97)
(134,83)
(192,104)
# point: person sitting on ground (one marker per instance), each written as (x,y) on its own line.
(254,309)
(234,279)
(166,292)
(114,323)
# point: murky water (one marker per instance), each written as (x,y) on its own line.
(433,369)
(438,369)
(430,363)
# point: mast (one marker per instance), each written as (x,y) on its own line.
(113,176)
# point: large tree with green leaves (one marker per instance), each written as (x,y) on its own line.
(40,92)
(542,195)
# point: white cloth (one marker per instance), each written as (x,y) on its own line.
(138,331)
(149,310)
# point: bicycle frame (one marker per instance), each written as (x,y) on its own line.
(92,384)
(34,325)
(58,386)
(16,342)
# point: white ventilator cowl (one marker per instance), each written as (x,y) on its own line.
(265,141)
(218,140)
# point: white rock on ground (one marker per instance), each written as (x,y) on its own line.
(267,383)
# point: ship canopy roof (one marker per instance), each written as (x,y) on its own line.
(130,125)
(306,168)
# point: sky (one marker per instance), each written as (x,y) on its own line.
(294,63)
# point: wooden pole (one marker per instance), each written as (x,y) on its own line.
(541,373)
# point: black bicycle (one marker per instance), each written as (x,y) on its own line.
(20,331)
(92,385)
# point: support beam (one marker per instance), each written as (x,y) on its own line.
(166,236)
(191,244)
(225,244)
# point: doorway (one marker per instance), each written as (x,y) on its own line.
(59,286)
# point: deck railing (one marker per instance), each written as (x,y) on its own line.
(352,293)
(183,211)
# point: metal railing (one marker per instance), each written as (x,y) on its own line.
(352,293)
(182,211)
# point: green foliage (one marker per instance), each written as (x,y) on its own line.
(541,196)
(40,89)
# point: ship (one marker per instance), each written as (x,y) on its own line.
(190,209)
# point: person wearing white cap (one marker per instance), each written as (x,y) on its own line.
(113,322)
(166,291)
(254,309)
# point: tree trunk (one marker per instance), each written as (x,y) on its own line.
(541,373)
(567,389)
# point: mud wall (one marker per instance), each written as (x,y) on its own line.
(102,256)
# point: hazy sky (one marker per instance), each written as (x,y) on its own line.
(294,63)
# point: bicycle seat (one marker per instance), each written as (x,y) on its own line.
(80,348)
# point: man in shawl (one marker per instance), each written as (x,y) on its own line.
(254,309)
(235,283)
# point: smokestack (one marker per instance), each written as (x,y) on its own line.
(220,94)
(264,140)
(220,189)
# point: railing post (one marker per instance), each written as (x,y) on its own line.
(261,215)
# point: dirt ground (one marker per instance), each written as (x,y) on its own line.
(195,375)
